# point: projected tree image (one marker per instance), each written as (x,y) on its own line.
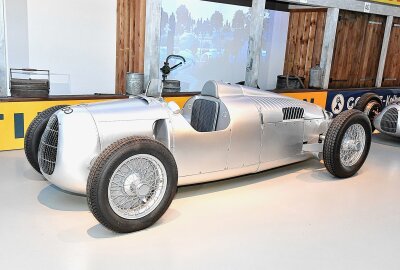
(212,37)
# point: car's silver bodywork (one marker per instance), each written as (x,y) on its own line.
(388,120)
(255,131)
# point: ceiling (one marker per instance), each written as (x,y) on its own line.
(272,5)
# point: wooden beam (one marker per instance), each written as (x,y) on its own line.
(152,40)
(272,5)
(328,44)
(3,63)
(141,35)
(385,46)
(255,42)
(352,5)
(123,45)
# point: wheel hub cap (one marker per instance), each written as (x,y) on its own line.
(352,145)
(142,190)
(130,184)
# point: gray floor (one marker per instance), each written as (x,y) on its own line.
(296,217)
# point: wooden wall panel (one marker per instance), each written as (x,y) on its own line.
(304,43)
(357,50)
(131,19)
(391,75)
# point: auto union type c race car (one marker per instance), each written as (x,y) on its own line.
(387,121)
(384,119)
(129,156)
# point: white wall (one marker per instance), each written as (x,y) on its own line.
(272,65)
(3,65)
(74,39)
(17,33)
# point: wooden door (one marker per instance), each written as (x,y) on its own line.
(131,20)
(357,50)
(304,42)
(391,75)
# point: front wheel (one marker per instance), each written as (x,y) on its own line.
(131,184)
(34,134)
(347,143)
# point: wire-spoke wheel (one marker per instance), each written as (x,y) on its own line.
(353,144)
(137,186)
(347,143)
(131,184)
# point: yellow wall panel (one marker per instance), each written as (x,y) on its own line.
(318,98)
(390,2)
(26,110)
(179,100)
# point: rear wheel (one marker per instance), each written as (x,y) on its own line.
(131,184)
(34,134)
(347,143)
(371,105)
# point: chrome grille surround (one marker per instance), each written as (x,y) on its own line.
(48,147)
(389,120)
(292,113)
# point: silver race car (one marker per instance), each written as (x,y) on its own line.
(388,120)
(129,156)
(384,119)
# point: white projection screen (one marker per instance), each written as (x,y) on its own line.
(213,38)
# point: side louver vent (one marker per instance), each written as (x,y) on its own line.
(292,113)
(389,120)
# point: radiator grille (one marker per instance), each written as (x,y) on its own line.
(389,120)
(48,147)
(292,113)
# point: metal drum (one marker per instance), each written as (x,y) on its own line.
(290,82)
(134,83)
(171,86)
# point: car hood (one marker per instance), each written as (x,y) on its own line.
(137,108)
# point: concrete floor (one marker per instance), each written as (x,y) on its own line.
(296,217)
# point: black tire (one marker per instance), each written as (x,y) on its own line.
(103,169)
(34,134)
(333,141)
(371,105)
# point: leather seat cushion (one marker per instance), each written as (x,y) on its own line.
(204,115)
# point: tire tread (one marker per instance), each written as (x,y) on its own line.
(365,99)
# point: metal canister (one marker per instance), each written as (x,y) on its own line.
(316,76)
(171,86)
(134,83)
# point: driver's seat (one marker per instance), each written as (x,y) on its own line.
(205,109)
